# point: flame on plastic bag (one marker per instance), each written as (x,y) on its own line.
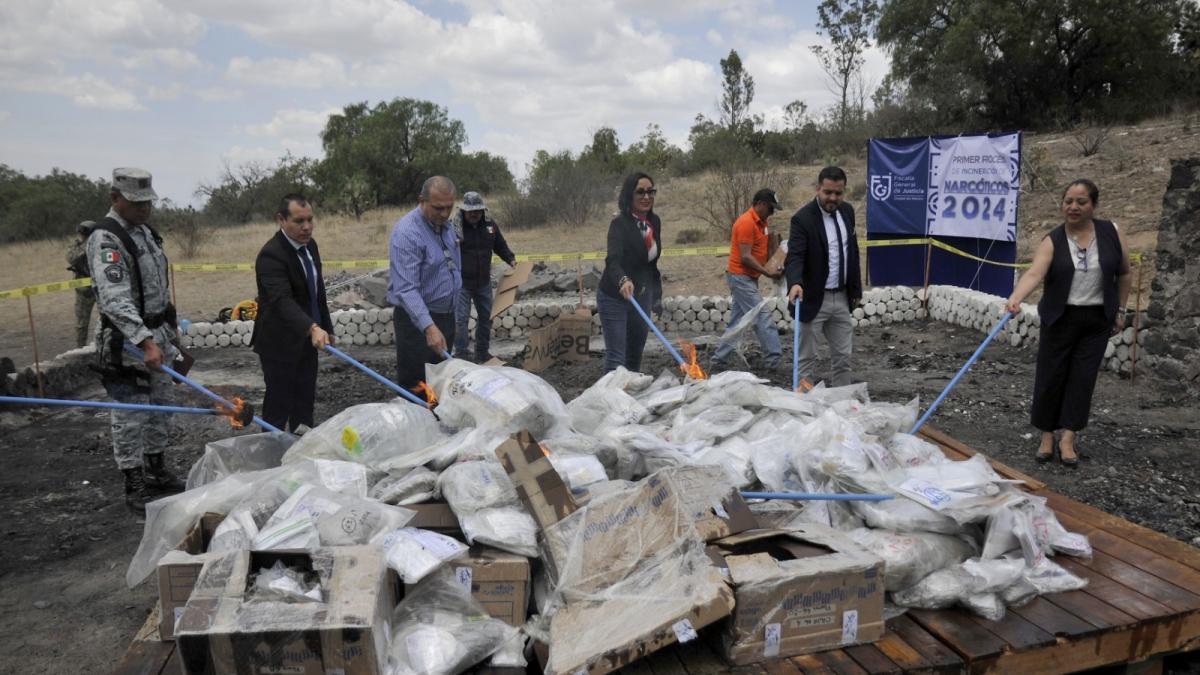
(234,413)
(692,368)
(431,398)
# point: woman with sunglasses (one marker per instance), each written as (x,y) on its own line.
(1085,265)
(630,273)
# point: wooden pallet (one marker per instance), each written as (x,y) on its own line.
(1141,603)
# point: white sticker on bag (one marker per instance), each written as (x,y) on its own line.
(438,544)
(772,639)
(850,626)
(684,631)
(464,576)
(925,493)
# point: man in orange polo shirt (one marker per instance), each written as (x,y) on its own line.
(747,262)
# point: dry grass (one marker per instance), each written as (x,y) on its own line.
(1131,194)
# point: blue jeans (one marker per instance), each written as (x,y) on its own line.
(745,295)
(482,298)
(624,330)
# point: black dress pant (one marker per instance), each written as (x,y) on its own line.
(291,390)
(1069,356)
(412,353)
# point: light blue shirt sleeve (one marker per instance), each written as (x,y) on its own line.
(406,257)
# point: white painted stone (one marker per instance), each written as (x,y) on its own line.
(210,340)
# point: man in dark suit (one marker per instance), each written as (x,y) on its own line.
(823,274)
(293,318)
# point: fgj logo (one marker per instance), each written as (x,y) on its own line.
(881,186)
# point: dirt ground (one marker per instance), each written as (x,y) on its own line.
(68,537)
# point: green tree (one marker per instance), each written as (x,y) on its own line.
(605,150)
(737,93)
(848,25)
(652,152)
(1014,63)
(50,206)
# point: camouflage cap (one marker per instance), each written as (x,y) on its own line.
(133,184)
(473,201)
(85,227)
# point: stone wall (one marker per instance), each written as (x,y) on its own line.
(1173,348)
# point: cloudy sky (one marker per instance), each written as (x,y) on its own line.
(180,88)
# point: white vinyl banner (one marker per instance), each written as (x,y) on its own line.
(973,186)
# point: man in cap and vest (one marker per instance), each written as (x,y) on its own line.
(85,298)
(131,278)
(478,238)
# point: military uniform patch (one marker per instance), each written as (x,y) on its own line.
(114,273)
(110,256)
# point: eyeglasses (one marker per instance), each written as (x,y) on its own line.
(1081,259)
(650,192)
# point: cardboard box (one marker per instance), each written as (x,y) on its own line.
(566,339)
(500,581)
(435,516)
(177,572)
(220,631)
(718,513)
(800,591)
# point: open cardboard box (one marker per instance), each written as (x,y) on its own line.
(500,581)
(222,631)
(798,591)
(178,569)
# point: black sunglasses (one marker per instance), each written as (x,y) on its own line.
(649,192)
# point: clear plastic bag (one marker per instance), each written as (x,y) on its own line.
(371,433)
(471,486)
(974,584)
(280,583)
(506,528)
(414,553)
(402,487)
(912,556)
(439,629)
(598,409)
(340,520)
(496,398)
(578,471)
(712,424)
(239,454)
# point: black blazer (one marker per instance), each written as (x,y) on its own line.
(1062,272)
(626,257)
(807,261)
(281,327)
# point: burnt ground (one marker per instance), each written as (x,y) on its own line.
(68,538)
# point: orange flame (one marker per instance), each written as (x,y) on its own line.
(233,413)
(545,450)
(431,398)
(804,386)
(692,368)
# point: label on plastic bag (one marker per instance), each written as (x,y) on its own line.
(490,386)
(850,626)
(351,441)
(337,476)
(1072,542)
(925,493)
(683,631)
(464,576)
(771,647)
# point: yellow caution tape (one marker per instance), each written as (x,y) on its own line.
(58,286)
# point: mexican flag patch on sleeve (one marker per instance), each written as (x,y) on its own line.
(110,256)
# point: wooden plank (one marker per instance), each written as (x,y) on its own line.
(809,664)
(1147,584)
(941,658)
(639,667)
(901,653)
(1016,631)
(780,667)
(1163,545)
(839,662)
(1053,619)
(940,438)
(1090,609)
(1130,601)
(872,659)
(144,658)
(956,629)
(1180,633)
(1134,554)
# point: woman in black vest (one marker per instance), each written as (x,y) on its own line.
(630,273)
(1085,264)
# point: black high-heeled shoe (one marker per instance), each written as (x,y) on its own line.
(1073,462)
(1043,458)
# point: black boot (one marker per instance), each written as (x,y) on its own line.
(158,478)
(136,494)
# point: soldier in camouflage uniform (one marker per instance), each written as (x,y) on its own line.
(130,275)
(85,298)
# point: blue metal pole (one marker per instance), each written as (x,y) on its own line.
(817,496)
(113,405)
(379,378)
(796,345)
(657,332)
(199,387)
(445,355)
(962,371)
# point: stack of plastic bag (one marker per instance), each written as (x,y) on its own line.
(485,502)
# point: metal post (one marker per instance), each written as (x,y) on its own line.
(928,263)
(37,362)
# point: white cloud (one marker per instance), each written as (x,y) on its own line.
(218,94)
(175,59)
(714,38)
(293,123)
(171,92)
(315,71)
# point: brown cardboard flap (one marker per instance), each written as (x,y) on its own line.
(506,290)
(545,496)
(543,349)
